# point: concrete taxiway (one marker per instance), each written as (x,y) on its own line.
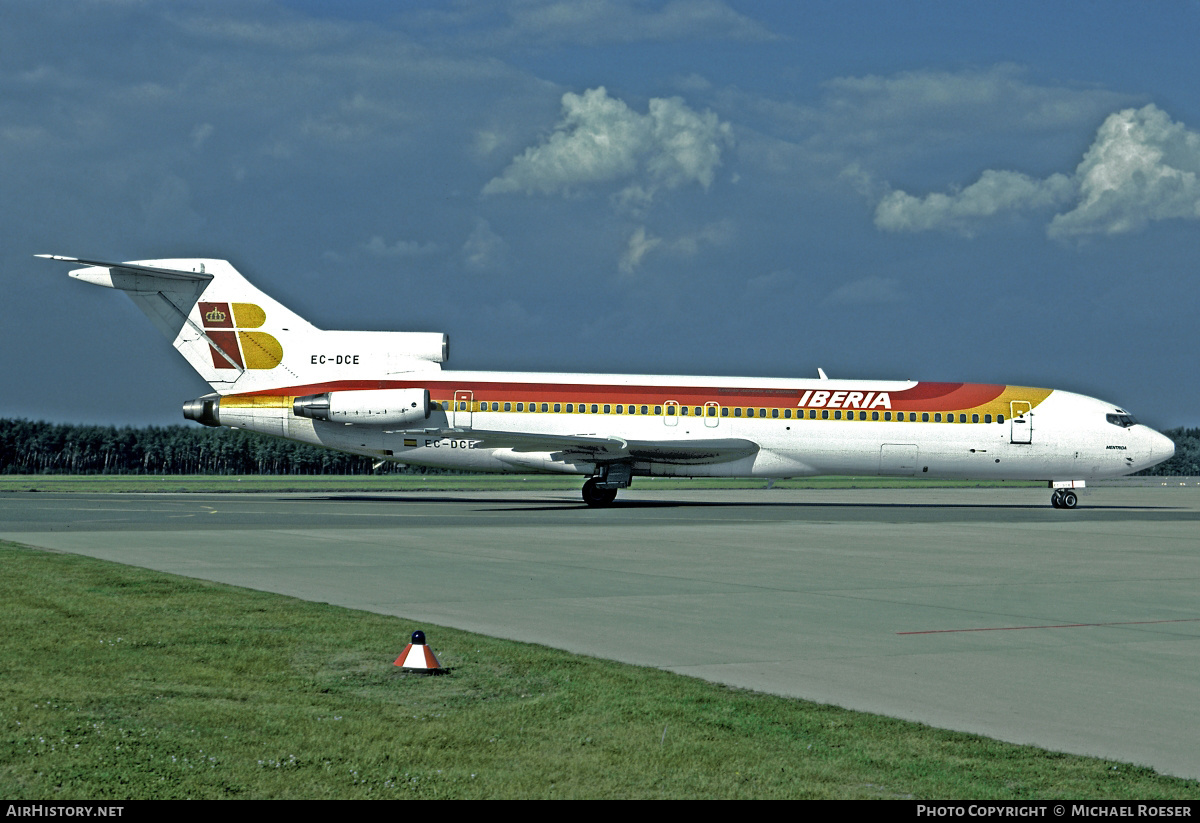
(983,610)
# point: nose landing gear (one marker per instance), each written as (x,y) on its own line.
(1064,499)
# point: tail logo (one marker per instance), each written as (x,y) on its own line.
(228,326)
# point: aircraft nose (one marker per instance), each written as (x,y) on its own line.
(1161,448)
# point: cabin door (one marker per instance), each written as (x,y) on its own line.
(671,413)
(898,459)
(464,402)
(1021,421)
(712,414)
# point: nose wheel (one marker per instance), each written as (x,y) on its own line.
(1064,499)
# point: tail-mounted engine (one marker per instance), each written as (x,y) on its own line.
(205,410)
(377,407)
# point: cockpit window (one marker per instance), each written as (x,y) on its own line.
(1122,420)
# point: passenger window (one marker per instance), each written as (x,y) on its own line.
(712,411)
(886,415)
(620,409)
(644,409)
(762,412)
(812,414)
(924,417)
(787,414)
(520,407)
(683,410)
(937,418)
(824,414)
(775,412)
(974,418)
(594,408)
(874,415)
(987,418)
(699,412)
(837,415)
(999,418)
(658,409)
(545,407)
(724,411)
(508,406)
(737,412)
(607,409)
(900,416)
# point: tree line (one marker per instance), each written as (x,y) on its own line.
(1186,461)
(28,447)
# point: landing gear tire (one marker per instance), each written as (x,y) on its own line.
(597,497)
(1064,499)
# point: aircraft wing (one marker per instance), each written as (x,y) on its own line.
(605,449)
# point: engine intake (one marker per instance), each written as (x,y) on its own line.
(377,407)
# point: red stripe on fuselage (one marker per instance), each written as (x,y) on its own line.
(922,397)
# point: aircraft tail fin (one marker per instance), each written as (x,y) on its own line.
(241,340)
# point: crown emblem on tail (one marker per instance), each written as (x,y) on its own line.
(215,316)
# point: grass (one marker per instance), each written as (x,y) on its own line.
(443,482)
(123,683)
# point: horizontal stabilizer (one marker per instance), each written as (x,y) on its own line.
(169,274)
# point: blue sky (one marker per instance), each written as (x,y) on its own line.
(1003,193)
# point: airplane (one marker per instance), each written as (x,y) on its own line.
(385,395)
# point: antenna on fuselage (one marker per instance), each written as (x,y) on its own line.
(821,373)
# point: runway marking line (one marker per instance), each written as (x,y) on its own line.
(1056,626)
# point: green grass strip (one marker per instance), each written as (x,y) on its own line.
(124,683)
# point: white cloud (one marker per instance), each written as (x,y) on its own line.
(884,125)
(1142,166)
(999,96)
(640,244)
(377,247)
(712,235)
(600,140)
(994,193)
(546,23)
(201,133)
(871,289)
(484,249)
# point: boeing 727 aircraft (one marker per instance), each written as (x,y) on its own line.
(384,395)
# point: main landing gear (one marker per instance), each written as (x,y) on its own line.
(594,496)
(601,488)
(1064,499)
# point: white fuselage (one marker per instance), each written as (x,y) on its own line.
(800,427)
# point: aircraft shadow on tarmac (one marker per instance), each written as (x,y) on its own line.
(529,505)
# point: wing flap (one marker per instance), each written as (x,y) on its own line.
(610,449)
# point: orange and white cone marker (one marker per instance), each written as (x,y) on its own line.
(417,656)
